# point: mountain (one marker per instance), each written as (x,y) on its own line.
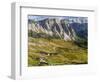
(57,40)
(67,29)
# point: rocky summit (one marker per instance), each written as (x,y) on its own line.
(67,29)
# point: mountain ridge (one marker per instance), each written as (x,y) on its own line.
(59,27)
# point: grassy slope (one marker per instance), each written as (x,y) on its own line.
(67,52)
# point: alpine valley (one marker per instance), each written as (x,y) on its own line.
(57,40)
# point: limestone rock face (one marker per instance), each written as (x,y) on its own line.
(62,28)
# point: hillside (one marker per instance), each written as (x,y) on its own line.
(57,40)
(55,52)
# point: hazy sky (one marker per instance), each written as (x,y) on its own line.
(41,17)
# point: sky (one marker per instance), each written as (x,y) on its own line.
(41,17)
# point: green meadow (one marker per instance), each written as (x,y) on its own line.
(55,52)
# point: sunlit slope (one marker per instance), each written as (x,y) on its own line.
(55,52)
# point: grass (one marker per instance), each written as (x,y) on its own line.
(67,52)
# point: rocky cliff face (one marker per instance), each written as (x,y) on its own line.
(62,28)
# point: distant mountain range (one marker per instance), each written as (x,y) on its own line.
(63,28)
(70,19)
